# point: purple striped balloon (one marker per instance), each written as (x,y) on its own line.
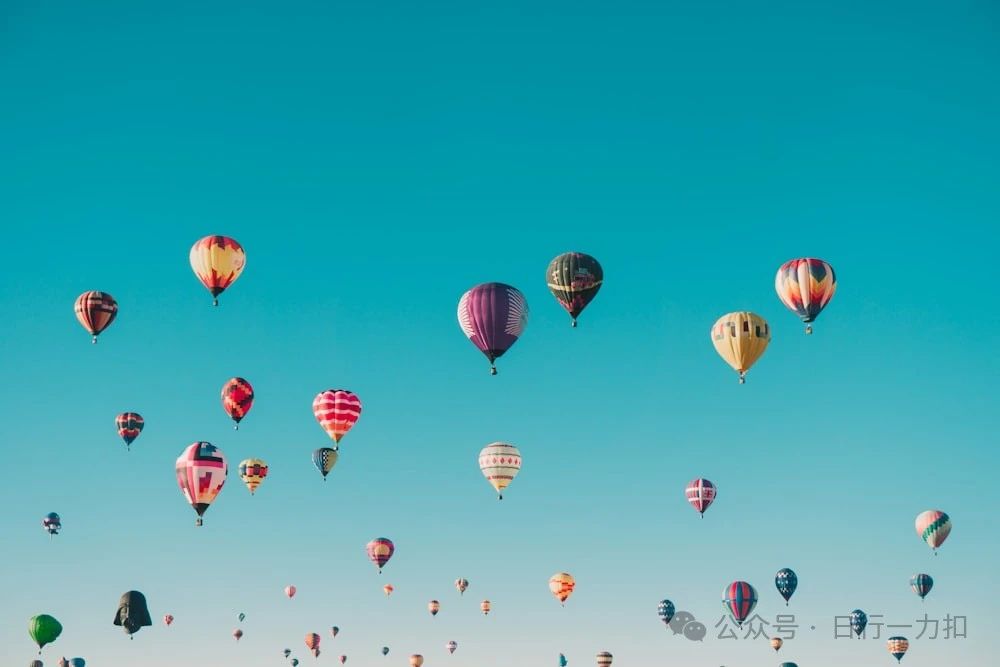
(493,315)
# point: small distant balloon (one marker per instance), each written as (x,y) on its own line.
(237,399)
(740,338)
(168,619)
(237,634)
(95,311)
(933,527)
(388,589)
(776,643)
(343,659)
(129,425)
(562,660)
(290,591)
(252,472)
(295,662)
(452,646)
(805,286)
(461,585)
(500,462)
(740,599)
(385,650)
(786,582)
(574,279)
(52,523)
(897,647)
(379,551)
(217,261)
(561,585)
(78,662)
(416,660)
(312,643)
(324,459)
(695,631)
(665,610)
(242,617)
(859,620)
(335,631)
(921,584)
(701,494)
(484,606)
(604,659)
(434,607)
(493,316)
(287,652)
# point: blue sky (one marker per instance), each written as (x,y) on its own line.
(376,161)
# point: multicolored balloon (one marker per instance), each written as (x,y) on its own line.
(805,286)
(129,426)
(604,659)
(434,607)
(740,599)
(201,473)
(43,629)
(859,620)
(379,551)
(493,317)
(701,494)
(217,261)
(167,619)
(52,523)
(388,589)
(740,338)
(237,399)
(252,472)
(451,646)
(95,311)
(562,584)
(324,459)
(786,582)
(485,607)
(290,592)
(933,527)
(665,610)
(897,647)
(237,634)
(921,584)
(337,411)
(776,643)
(461,585)
(312,643)
(500,462)
(574,280)
(416,660)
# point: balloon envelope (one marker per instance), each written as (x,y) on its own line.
(859,620)
(740,599)
(290,591)
(561,584)
(493,317)
(701,494)
(665,610)
(574,280)
(933,527)
(129,425)
(201,473)
(604,659)
(44,629)
(379,551)
(921,584)
(237,398)
(337,411)
(217,261)
(740,338)
(132,614)
(500,462)
(897,647)
(805,286)
(786,582)
(95,311)
(252,472)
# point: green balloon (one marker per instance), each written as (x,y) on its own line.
(44,630)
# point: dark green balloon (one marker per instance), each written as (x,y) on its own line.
(44,629)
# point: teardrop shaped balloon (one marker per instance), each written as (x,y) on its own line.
(776,643)
(237,634)
(287,652)
(43,629)
(461,585)
(665,610)
(740,338)
(290,592)
(485,607)
(434,607)
(574,280)
(95,311)
(388,589)
(921,584)
(701,494)
(217,261)
(897,647)
(201,473)
(241,617)
(295,662)
(253,472)
(561,584)
(52,523)
(129,425)
(933,527)
(786,582)
(337,411)
(604,659)
(500,462)
(385,650)
(237,399)
(859,620)
(493,317)
(168,619)
(324,459)
(805,286)
(416,660)
(451,646)
(343,659)
(740,598)
(379,551)
(335,631)
(562,660)
(312,643)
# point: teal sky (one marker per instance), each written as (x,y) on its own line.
(378,159)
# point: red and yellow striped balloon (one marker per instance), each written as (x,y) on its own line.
(217,261)
(95,311)
(337,410)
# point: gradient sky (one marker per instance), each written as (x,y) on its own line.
(378,159)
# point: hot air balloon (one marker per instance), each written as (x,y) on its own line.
(897,647)
(343,659)
(452,646)
(776,643)
(562,584)
(201,472)
(461,585)
(168,619)
(52,523)
(43,629)
(95,311)
(493,316)
(385,650)
(312,643)
(290,592)
(63,662)
(665,610)
(700,493)
(334,631)
(237,399)
(252,472)
(933,526)
(434,607)
(859,620)
(380,550)
(36,663)
(388,589)
(574,280)
(129,426)
(805,286)
(740,598)
(237,634)
(921,584)
(337,411)
(295,662)
(500,463)
(416,660)
(287,652)
(740,338)
(241,617)
(786,582)
(562,660)
(132,614)
(324,459)
(604,659)
(217,261)
(485,607)
(78,662)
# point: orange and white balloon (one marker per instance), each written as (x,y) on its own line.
(217,261)
(562,584)
(500,462)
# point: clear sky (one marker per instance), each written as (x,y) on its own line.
(378,159)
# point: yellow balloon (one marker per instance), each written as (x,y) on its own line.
(741,338)
(562,584)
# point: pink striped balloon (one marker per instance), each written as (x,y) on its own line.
(379,551)
(337,410)
(700,493)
